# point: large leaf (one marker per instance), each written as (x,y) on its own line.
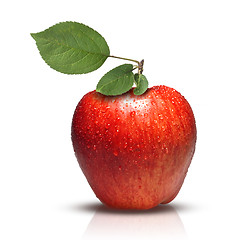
(72,48)
(117,81)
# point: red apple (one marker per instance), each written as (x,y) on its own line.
(134,150)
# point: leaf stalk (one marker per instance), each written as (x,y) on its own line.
(127,59)
(139,64)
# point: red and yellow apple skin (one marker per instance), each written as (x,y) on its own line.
(134,150)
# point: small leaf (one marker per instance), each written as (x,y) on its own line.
(72,48)
(142,84)
(117,81)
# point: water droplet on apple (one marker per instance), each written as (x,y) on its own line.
(132,114)
(120,168)
(165,148)
(115,152)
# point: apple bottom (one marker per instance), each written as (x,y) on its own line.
(140,184)
(137,200)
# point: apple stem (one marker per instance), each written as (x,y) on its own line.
(140,67)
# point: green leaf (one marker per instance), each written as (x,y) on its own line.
(142,84)
(117,81)
(72,48)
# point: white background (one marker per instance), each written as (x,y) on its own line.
(192,46)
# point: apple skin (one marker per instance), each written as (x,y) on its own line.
(134,150)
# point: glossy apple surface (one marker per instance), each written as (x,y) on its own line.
(134,150)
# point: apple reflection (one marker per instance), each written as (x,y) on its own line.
(161,222)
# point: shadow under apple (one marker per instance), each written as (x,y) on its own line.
(162,221)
